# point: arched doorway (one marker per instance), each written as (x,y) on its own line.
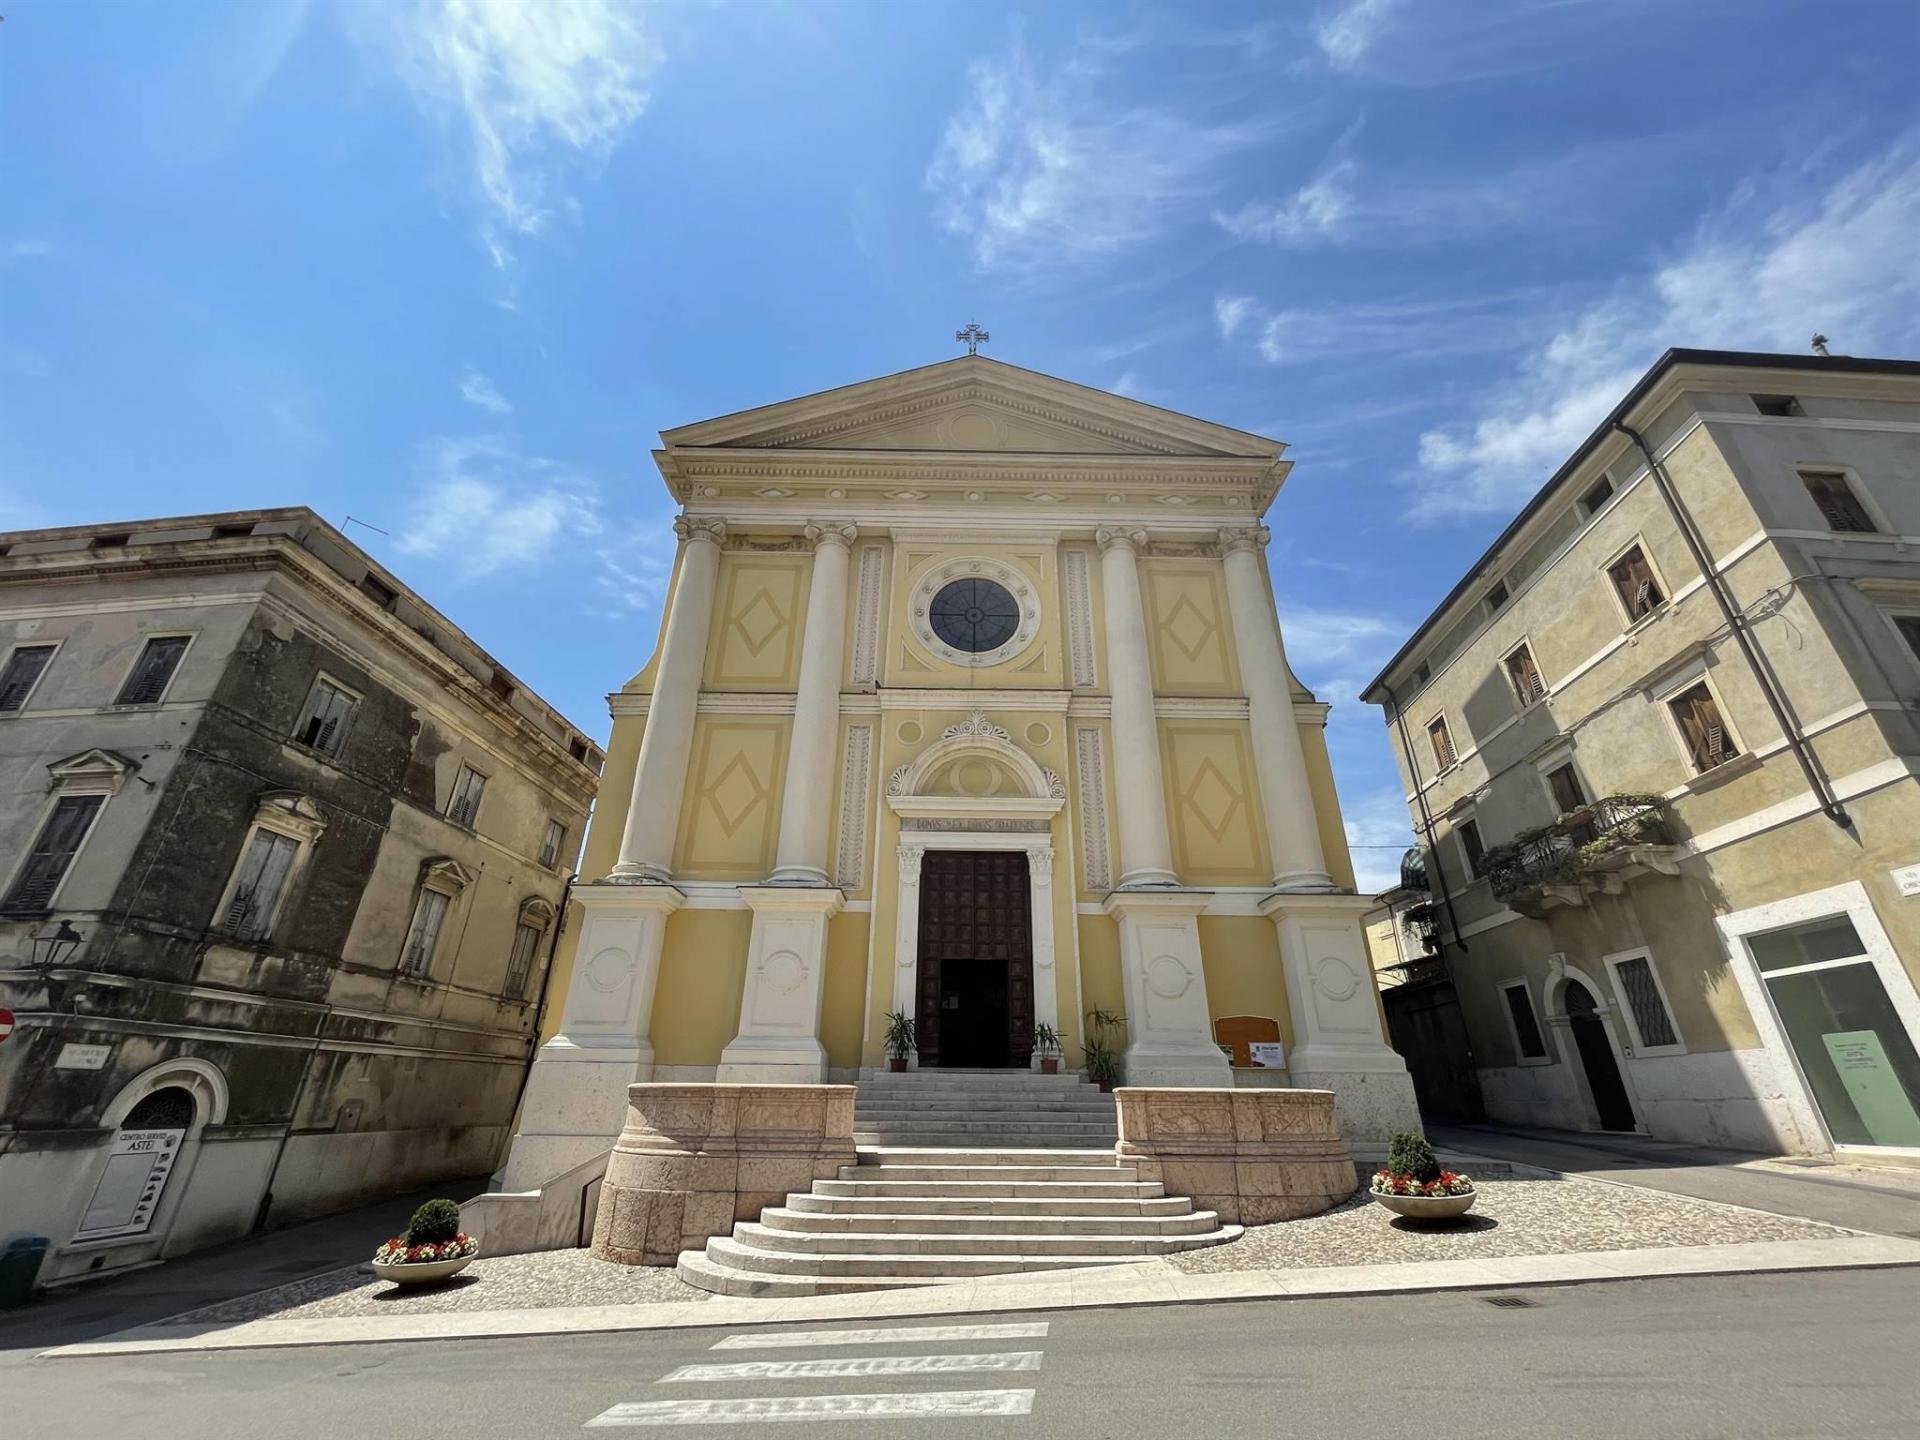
(141,1160)
(1589,1032)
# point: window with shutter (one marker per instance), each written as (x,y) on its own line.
(1650,1017)
(429,913)
(526,940)
(1526,1027)
(1442,740)
(323,724)
(47,863)
(550,844)
(23,671)
(1471,845)
(1709,742)
(1837,502)
(258,884)
(463,805)
(1524,675)
(1633,580)
(153,671)
(1568,794)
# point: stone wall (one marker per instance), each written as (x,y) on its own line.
(693,1159)
(1252,1156)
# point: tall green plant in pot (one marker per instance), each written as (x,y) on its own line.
(1100,1051)
(899,1041)
(1046,1044)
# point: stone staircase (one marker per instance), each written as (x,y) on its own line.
(961,1174)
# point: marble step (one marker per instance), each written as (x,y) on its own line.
(1016,1173)
(1013,1124)
(704,1274)
(980,1155)
(741,1255)
(989,1189)
(995,1104)
(1015,1205)
(967,1244)
(848,1223)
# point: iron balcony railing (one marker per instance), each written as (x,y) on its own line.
(1577,843)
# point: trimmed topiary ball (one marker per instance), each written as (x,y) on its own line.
(438,1221)
(1410,1154)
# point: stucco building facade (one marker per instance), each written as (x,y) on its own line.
(1661,747)
(970,704)
(282,854)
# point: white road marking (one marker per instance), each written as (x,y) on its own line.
(853,1367)
(932,1405)
(896,1335)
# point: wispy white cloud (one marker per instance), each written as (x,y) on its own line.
(1404,329)
(1316,638)
(1049,164)
(482,508)
(1764,273)
(1346,33)
(633,577)
(1230,312)
(479,391)
(1318,211)
(1378,833)
(27,249)
(536,88)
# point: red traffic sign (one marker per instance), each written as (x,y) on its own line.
(6,1022)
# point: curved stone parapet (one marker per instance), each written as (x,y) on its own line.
(1251,1156)
(693,1159)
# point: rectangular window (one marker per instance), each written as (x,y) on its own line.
(1442,740)
(1564,782)
(550,844)
(154,670)
(1648,1007)
(323,724)
(258,885)
(1524,676)
(1526,1029)
(1781,407)
(1497,596)
(24,668)
(1633,581)
(1909,628)
(526,939)
(1596,497)
(60,839)
(1471,845)
(1709,742)
(463,806)
(1838,504)
(429,914)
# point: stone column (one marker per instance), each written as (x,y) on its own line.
(800,858)
(653,815)
(1293,831)
(1146,855)
(906,938)
(1046,977)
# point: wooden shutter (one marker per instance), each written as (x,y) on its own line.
(23,668)
(59,842)
(1442,740)
(1837,502)
(149,679)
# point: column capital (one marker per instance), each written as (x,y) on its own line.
(1112,537)
(821,533)
(1245,537)
(1040,864)
(910,858)
(689,527)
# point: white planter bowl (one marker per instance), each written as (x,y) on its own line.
(1427,1207)
(424,1272)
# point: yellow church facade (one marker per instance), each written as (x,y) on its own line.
(970,702)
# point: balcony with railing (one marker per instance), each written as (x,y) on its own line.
(1594,849)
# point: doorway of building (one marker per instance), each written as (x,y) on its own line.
(976,960)
(1609,1091)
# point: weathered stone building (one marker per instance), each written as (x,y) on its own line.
(281,854)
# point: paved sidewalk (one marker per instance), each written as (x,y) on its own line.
(1882,1199)
(1153,1283)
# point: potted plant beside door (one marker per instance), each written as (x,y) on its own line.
(899,1040)
(1046,1041)
(1102,1054)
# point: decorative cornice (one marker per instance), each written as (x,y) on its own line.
(943,399)
(977,725)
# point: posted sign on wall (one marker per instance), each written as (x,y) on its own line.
(129,1192)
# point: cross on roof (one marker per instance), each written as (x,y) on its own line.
(973,337)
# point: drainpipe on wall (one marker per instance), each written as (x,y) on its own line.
(1435,875)
(1742,633)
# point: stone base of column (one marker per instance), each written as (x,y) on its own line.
(1169,1025)
(1340,1038)
(779,1039)
(576,1094)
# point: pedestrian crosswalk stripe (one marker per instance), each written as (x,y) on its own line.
(895,1335)
(930,1405)
(853,1367)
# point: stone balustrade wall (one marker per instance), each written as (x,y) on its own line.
(1252,1156)
(693,1159)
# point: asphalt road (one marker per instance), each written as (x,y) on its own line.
(1779,1355)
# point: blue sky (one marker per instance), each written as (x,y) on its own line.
(450,266)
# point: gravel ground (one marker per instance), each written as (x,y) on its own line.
(1511,1217)
(509,1282)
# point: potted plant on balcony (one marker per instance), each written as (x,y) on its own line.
(899,1041)
(1046,1043)
(434,1248)
(1412,1183)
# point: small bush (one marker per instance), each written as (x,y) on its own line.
(1410,1154)
(435,1222)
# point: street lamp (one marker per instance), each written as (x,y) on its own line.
(50,947)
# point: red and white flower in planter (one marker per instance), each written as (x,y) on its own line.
(1412,1183)
(434,1248)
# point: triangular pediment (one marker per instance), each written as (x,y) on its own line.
(971,405)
